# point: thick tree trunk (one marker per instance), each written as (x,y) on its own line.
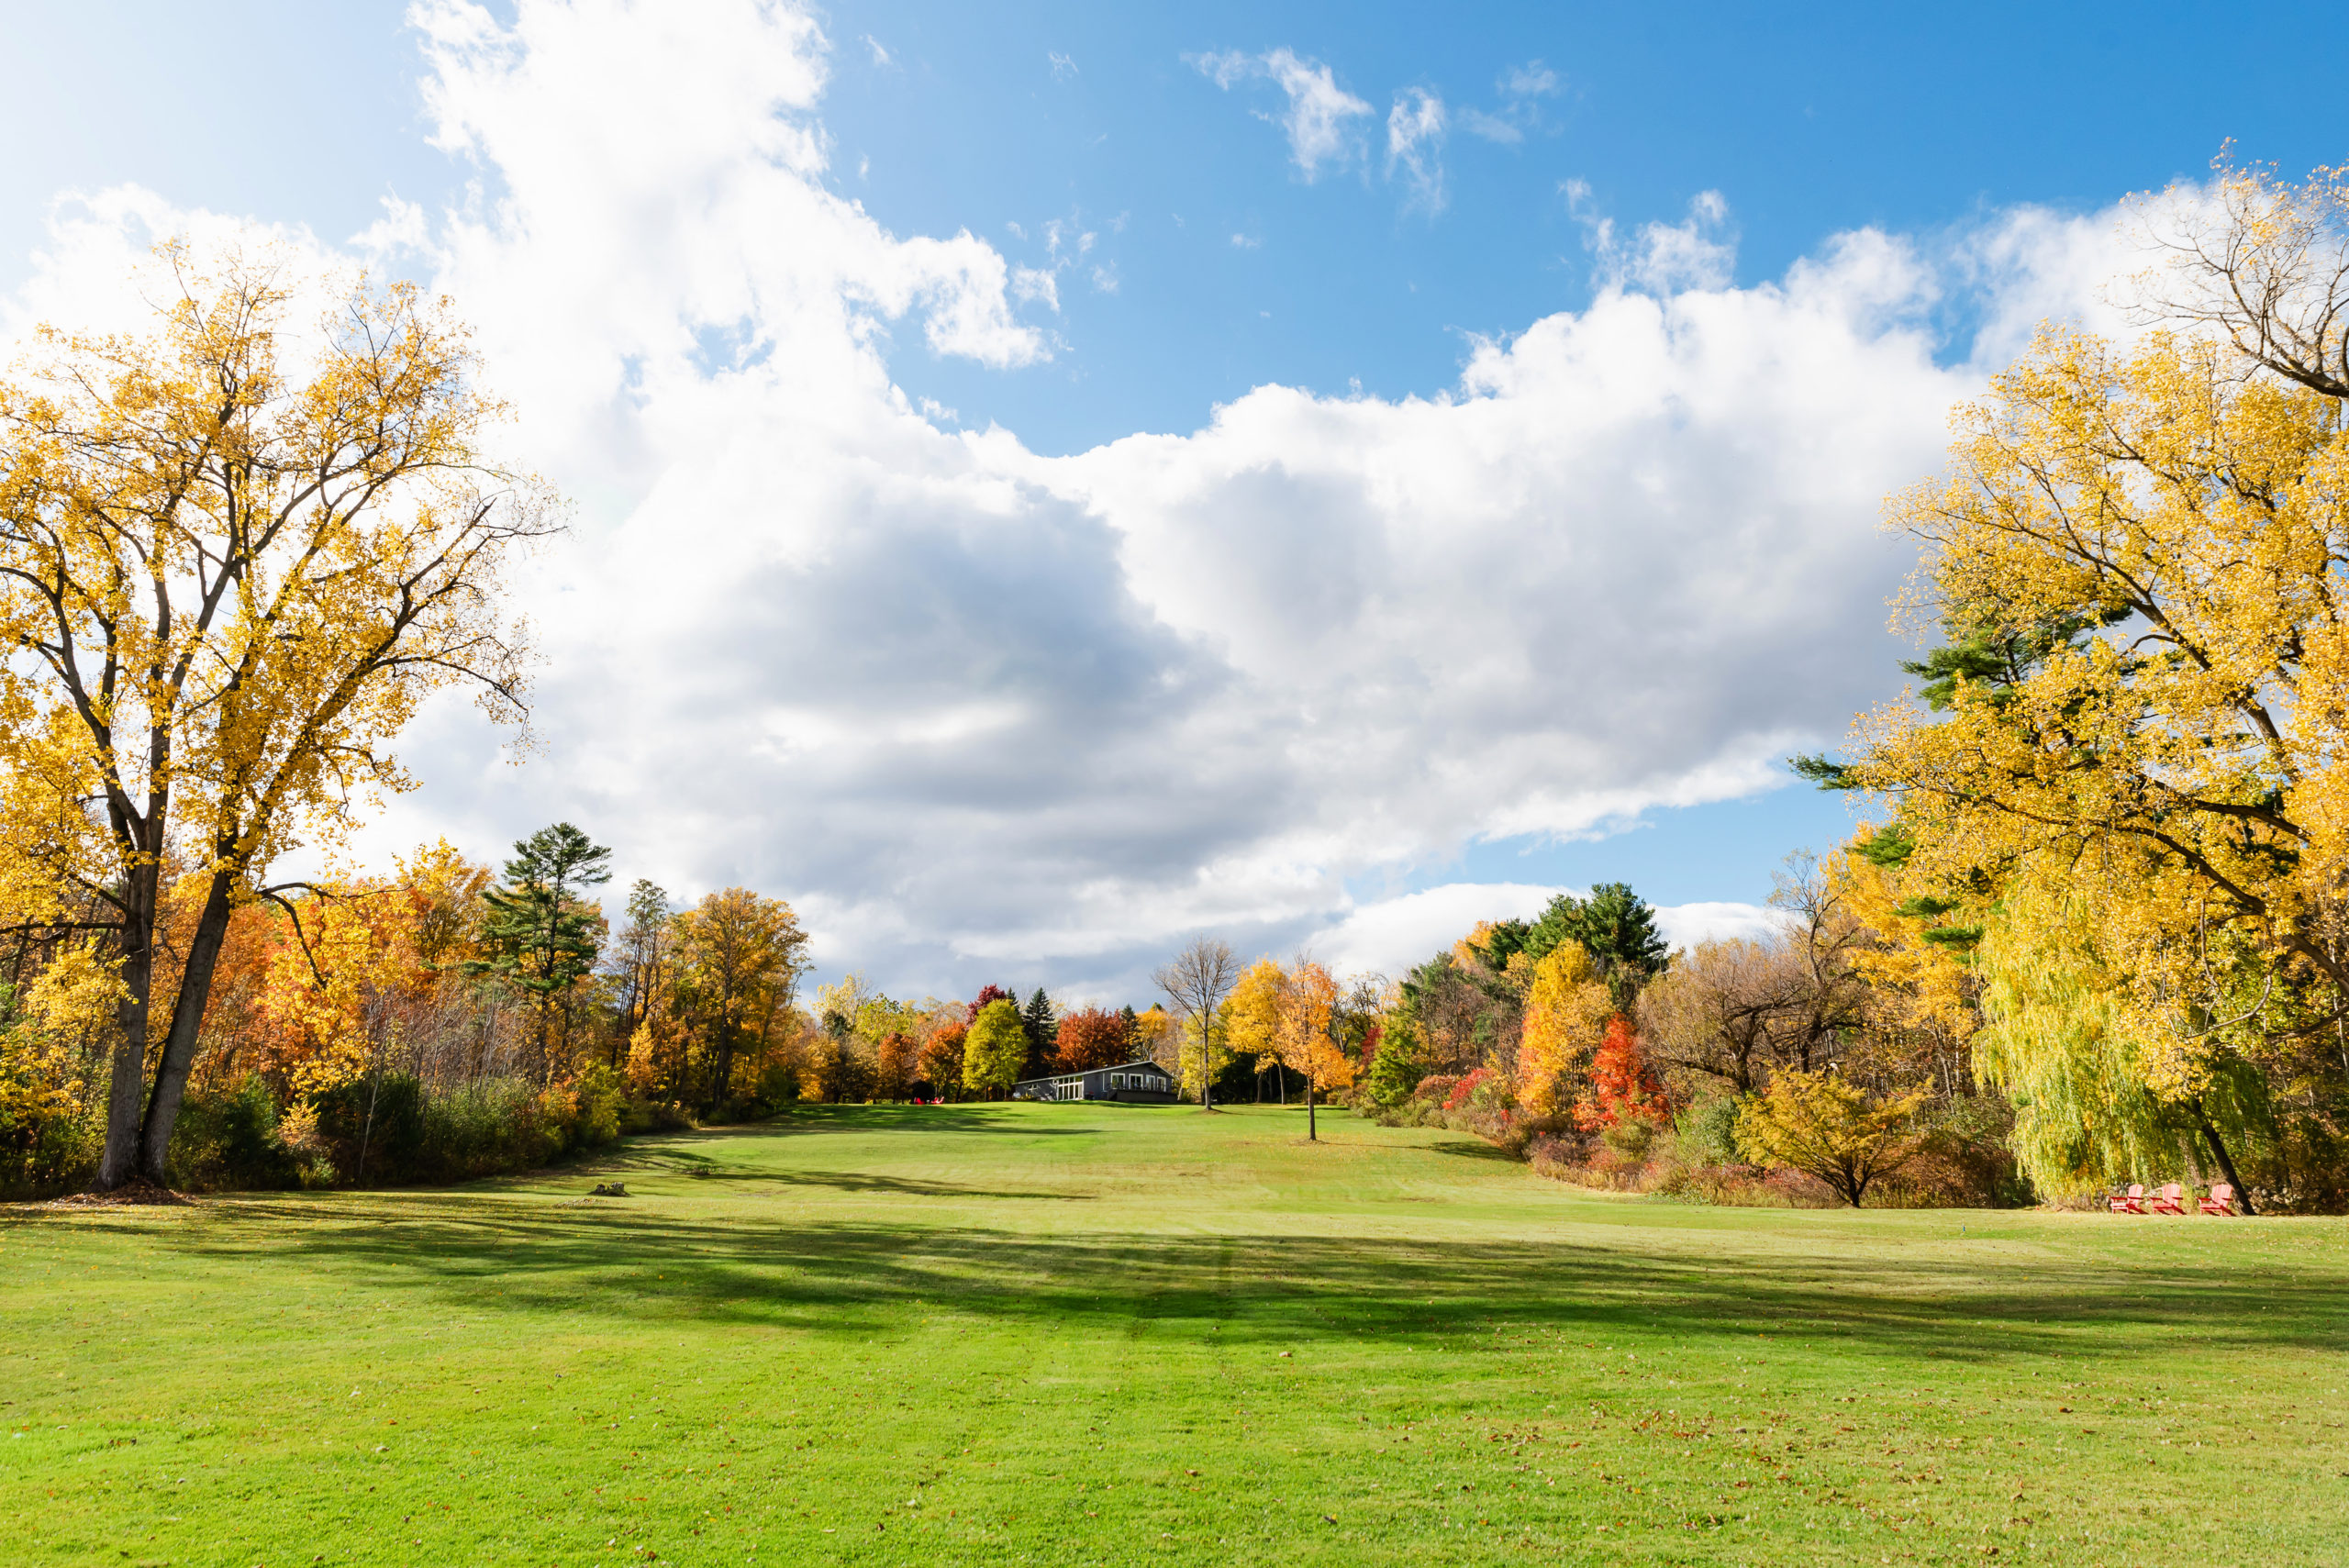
(125,1092)
(187,1025)
(126,1089)
(1312,1131)
(723,1077)
(2219,1150)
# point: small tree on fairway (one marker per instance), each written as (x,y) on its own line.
(1819,1124)
(1308,999)
(995,1049)
(1197,981)
(1251,1022)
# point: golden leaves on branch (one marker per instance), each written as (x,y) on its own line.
(2133,787)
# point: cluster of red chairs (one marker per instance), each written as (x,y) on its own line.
(2172,1199)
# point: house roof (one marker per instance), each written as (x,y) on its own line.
(1114,1067)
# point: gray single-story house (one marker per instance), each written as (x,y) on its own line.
(1136,1083)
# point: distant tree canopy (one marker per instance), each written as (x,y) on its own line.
(1614,925)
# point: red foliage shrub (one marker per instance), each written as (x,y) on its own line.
(1436,1088)
(1621,1087)
(1465,1088)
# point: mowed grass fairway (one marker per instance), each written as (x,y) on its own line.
(1070,1334)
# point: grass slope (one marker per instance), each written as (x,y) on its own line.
(1069,1334)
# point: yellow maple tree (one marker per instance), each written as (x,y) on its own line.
(1567,1004)
(237,553)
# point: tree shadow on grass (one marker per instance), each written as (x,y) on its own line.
(1465,1148)
(981,1117)
(869,1279)
(867,1181)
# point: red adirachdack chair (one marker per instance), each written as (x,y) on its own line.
(2132,1201)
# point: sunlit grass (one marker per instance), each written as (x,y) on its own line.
(1085,1334)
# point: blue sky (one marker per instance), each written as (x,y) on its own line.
(1672,189)
(1809,120)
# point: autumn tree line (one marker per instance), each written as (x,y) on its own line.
(453,1019)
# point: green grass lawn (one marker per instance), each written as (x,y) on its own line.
(1068,1334)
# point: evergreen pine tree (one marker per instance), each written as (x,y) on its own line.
(541,936)
(1616,925)
(1036,1020)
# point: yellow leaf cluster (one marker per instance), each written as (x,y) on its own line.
(2157,540)
(1251,1018)
(1566,1009)
(1924,983)
(316,990)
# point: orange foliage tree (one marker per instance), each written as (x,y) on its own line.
(894,1062)
(1091,1038)
(1621,1087)
(942,1060)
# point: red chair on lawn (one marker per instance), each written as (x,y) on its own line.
(2171,1199)
(2220,1201)
(2132,1202)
